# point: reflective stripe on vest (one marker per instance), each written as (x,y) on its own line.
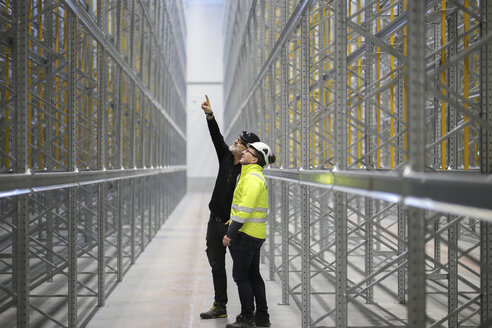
(250,201)
(250,220)
(259,176)
(249,210)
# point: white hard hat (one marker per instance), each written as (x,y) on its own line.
(264,150)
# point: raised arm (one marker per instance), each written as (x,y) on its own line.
(207,109)
(220,146)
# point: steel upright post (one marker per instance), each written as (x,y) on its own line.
(142,183)
(453,272)
(262,26)
(273,141)
(271,228)
(486,166)
(453,86)
(142,211)
(326,139)
(340,198)
(49,144)
(305,194)
(133,135)
(133,205)
(119,150)
(101,153)
(167,161)
(324,227)
(72,162)
(253,44)
(142,133)
(453,234)
(284,131)
(262,92)
(149,189)
(20,251)
(416,142)
(369,147)
(435,130)
(158,164)
(150,72)
(401,158)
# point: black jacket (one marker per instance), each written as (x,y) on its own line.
(221,201)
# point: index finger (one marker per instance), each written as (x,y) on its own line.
(208,101)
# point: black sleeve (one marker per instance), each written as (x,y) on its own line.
(233,228)
(220,146)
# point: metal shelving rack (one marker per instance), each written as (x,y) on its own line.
(380,114)
(92,132)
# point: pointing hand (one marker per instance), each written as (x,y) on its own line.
(206,106)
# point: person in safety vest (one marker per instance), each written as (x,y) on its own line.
(220,207)
(246,234)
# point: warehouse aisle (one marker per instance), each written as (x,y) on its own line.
(170,284)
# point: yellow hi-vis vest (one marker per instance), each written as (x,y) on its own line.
(250,201)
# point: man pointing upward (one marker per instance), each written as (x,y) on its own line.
(220,207)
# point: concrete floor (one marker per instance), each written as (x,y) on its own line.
(171,283)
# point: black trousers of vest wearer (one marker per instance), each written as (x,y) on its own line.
(245,254)
(216,251)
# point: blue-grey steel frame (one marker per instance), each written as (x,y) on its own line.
(92,160)
(379,114)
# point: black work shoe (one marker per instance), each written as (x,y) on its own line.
(242,321)
(218,310)
(262,321)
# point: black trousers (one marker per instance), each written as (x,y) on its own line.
(245,254)
(216,251)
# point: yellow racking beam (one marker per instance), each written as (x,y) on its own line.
(57,86)
(466,91)
(290,74)
(65,94)
(41,88)
(328,98)
(146,66)
(359,83)
(477,101)
(7,95)
(109,112)
(83,101)
(378,95)
(30,90)
(314,20)
(124,99)
(392,94)
(405,83)
(109,109)
(349,83)
(79,102)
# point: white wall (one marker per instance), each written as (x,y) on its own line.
(204,76)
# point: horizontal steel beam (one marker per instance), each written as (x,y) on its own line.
(101,37)
(293,22)
(243,37)
(465,194)
(163,58)
(20,184)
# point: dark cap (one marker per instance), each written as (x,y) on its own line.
(249,137)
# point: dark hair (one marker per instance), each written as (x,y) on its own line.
(261,159)
(248,137)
